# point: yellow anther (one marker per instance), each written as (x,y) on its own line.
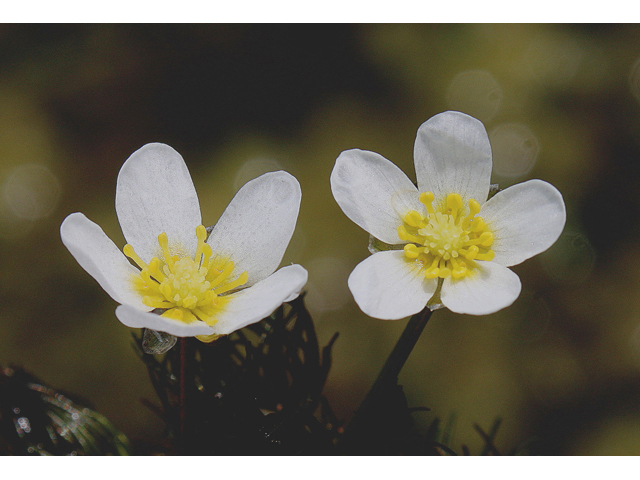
(130,252)
(201,233)
(433,273)
(474,207)
(208,338)
(406,236)
(486,239)
(426,198)
(448,239)
(455,203)
(458,272)
(155,302)
(190,302)
(163,241)
(146,277)
(222,276)
(174,313)
(166,290)
(486,256)
(472,252)
(204,316)
(444,272)
(154,269)
(241,280)
(206,253)
(413,219)
(188,289)
(477,225)
(411,251)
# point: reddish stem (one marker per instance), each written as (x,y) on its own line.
(183,391)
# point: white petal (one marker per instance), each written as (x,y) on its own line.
(134,318)
(373,192)
(99,256)
(452,154)
(388,287)
(525,219)
(155,194)
(491,288)
(256,227)
(260,300)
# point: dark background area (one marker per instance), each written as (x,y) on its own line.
(560,102)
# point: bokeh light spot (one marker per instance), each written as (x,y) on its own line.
(476,93)
(31,191)
(515,149)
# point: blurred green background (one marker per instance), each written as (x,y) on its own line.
(560,102)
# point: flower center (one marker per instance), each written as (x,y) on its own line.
(186,289)
(448,240)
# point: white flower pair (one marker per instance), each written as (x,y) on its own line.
(189,282)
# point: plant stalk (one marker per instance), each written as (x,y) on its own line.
(388,376)
(183,394)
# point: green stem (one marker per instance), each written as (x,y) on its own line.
(388,377)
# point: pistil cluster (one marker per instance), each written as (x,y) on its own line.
(186,289)
(446,240)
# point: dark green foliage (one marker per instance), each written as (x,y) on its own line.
(257,391)
(254,392)
(37,420)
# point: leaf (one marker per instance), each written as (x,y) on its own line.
(37,420)
(257,391)
(157,343)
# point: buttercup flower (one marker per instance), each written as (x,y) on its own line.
(179,278)
(445,231)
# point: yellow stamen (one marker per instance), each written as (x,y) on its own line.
(455,203)
(154,269)
(163,240)
(426,198)
(404,235)
(129,252)
(411,251)
(223,275)
(241,280)
(446,240)
(188,289)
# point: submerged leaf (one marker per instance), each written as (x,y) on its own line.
(157,343)
(37,420)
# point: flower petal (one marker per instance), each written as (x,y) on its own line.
(155,194)
(525,219)
(452,154)
(373,192)
(260,300)
(134,318)
(492,288)
(257,225)
(99,256)
(388,287)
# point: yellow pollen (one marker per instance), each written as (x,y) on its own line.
(448,239)
(187,289)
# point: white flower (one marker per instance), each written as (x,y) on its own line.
(185,282)
(446,229)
